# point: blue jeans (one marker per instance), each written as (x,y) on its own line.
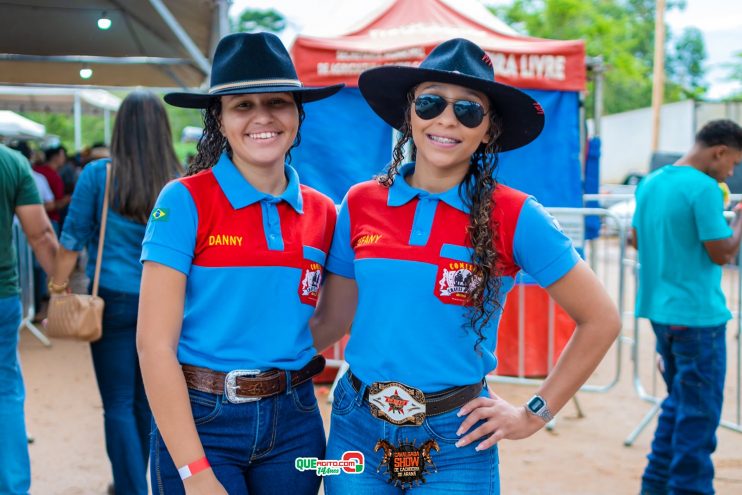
(15,470)
(459,470)
(126,414)
(694,369)
(252,447)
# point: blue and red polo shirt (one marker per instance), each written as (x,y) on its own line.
(410,255)
(254,264)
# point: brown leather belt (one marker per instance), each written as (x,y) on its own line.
(248,385)
(438,402)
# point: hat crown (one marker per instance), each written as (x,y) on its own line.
(251,57)
(460,56)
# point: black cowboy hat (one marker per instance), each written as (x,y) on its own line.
(251,63)
(461,62)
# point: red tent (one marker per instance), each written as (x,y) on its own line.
(408,30)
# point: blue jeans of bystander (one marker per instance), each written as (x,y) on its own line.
(127,419)
(694,361)
(15,471)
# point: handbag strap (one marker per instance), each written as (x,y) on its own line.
(102,236)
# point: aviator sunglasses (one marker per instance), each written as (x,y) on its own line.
(469,113)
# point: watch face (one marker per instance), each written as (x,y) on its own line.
(535,404)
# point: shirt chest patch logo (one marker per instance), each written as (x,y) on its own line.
(455,282)
(311,280)
(225,240)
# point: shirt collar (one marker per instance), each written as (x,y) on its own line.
(401,192)
(241,193)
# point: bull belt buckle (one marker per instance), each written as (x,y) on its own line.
(397,403)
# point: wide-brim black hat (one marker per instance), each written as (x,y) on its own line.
(461,62)
(247,63)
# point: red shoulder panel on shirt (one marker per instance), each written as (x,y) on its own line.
(235,237)
(322,215)
(508,204)
(380,231)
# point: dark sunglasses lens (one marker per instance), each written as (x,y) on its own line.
(429,106)
(469,113)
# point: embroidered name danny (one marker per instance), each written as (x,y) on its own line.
(368,239)
(225,240)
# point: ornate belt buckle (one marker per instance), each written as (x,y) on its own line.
(397,403)
(230,386)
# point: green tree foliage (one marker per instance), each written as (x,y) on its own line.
(63,125)
(252,20)
(684,64)
(621,31)
(180,118)
(735,75)
(735,68)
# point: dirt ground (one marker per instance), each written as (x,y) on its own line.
(581,456)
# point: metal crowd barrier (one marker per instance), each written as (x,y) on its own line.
(572,222)
(26,280)
(732,286)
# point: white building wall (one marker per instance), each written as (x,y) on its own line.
(627,138)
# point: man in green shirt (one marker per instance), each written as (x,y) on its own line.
(18,196)
(683,241)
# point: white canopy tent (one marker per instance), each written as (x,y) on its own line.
(13,125)
(63,100)
(155,43)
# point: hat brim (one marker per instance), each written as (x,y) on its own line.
(385,89)
(201,100)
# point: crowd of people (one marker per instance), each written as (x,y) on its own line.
(207,380)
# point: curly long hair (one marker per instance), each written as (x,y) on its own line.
(476,190)
(212,143)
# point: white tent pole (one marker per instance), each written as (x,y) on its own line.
(222,18)
(107,126)
(78,122)
(181,34)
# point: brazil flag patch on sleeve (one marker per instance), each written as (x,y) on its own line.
(160,215)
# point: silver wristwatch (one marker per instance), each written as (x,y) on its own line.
(537,406)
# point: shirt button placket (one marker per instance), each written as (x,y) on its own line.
(423,221)
(275,240)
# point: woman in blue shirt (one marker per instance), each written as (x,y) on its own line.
(233,258)
(421,262)
(142,162)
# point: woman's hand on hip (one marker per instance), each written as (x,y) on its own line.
(502,420)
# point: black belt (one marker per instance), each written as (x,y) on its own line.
(438,402)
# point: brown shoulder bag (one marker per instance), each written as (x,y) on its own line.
(80,316)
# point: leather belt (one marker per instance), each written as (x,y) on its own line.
(438,402)
(248,385)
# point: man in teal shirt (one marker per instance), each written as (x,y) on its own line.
(683,241)
(19,196)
